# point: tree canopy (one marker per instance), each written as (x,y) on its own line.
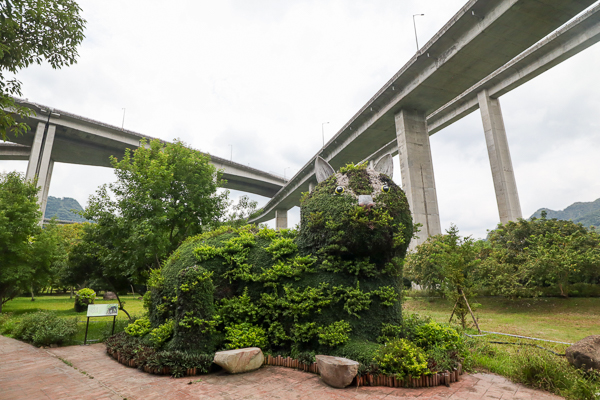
(33,31)
(163,194)
(19,217)
(527,255)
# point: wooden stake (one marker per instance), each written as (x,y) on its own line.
(453,309)
(469,307)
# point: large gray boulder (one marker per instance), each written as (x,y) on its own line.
(109,296)
(585,354)
(337,371)
(240,360)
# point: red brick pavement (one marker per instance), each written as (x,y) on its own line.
(29,373)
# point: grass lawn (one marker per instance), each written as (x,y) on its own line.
(564,320)
(64,306)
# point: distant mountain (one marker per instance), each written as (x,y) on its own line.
(61,208)
(586,213)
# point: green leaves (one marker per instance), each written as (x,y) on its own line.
(528,255)
(163,194)
(33,31)
(19,217)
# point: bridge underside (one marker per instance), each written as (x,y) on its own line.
(476,57)
(58,136)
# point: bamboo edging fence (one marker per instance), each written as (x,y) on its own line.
(437,379)
(156,371)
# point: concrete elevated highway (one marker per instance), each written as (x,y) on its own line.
(487,49)
(59,136)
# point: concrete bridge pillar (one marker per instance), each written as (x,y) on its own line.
(40,164)
(280,219)
(416,168)
(505,184)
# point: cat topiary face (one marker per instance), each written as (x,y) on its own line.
(357,212)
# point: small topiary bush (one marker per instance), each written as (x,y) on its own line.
(401,358)
(44,328)
(83,298)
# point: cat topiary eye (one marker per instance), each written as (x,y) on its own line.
(339,190)
(385,188)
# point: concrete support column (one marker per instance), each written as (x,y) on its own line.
(36,147)
(311,186)
(280,219)
(40,162)
(45,187)
(416,168)
(505,184)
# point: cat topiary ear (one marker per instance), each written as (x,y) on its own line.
(322,169)
(385,165)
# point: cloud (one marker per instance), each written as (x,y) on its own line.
(264,75)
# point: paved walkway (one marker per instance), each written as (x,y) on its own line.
(87,372)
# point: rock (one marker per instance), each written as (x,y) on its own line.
(585,354)
(109,296)
(240,360)
(337,371)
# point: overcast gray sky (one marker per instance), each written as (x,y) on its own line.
(263,75)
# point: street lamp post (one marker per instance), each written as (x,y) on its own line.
(415,26)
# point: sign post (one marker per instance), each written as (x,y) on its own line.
(101,310)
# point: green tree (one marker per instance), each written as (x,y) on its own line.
(163,194)
(526,255)
(43,252)
(33,31)
(240,212)
(61,274)
(447,264)
(19,217)
(554,258)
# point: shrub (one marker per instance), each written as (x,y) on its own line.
(7,325)
(335,333)
(406,330)
(134,348)
(44,328)
(401,358)
(539,369)
(83,298)
(158,336)
(139,328)
(432,334)
(441,359)
(360,351)
(245,335)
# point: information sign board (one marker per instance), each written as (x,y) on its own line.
(102,310)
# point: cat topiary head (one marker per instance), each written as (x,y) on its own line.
(355,213)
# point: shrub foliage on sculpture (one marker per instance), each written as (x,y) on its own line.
(338,278)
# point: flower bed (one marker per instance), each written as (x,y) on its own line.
(436,379)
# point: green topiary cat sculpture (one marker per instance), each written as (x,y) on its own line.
(337,278)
